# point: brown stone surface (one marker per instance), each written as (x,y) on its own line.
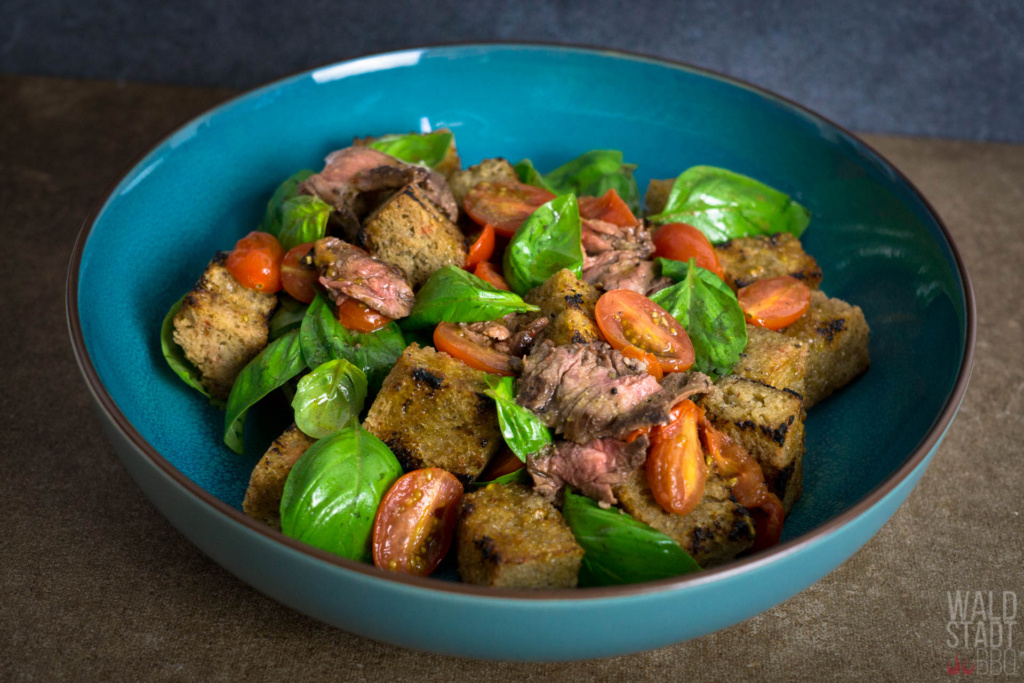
(96,585)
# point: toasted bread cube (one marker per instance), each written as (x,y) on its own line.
(449,165)
(716,531)
(657,194)
(568,304)
(769,424)
(222,325)
(774,359)
(836,335)
(431,412)
(746,260)
(266,484)
(408,231)
(487,171)
(511,537)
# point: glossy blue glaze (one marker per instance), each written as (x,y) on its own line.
(205,186)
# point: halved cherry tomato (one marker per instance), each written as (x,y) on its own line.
(648,359)
(776,302)
(750,491)
(356,316)
(451,339)
(676,470)
(504,462)
(297,279)
(487,272)
(416,521)
(256,262)
(609,207)
(504,205)
(681,242)
(627,318)
(482,249)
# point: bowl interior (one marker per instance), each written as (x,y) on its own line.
(206,185)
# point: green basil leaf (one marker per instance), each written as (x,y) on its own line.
(594,173)
(275,365)
(329,398)
(323,338)
(287,317)
(520,476)
(452,295)
(530,175)
(428,149)
(523,431)
(618,549)
(333,491)
(709,311)
(303,219)
(546,242)
(725,205)
(284,192)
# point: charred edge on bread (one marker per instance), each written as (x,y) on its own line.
(783,477)
(778,435)
(428,378)
(577,338)
(575,300)
(488,549)
(831,328)
(406,458)
(700,537)
(741,529)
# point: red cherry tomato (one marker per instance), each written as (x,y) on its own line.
(609,207)
(504,462)
(416,521)
(648,358)
(627,318)
(488,272)
(482,249)
(676,471)
(451,339)
(504,205)
(256,262)
(776,302)
(681,242)
(297,279)
(357,316)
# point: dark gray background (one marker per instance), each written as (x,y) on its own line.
(953,68)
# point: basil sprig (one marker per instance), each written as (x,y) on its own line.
(523,431)
(329,398)
(591,174)
(303,219)
(546,242)
(272,219)
(709,311)
(725,205)
(618,549)
(276,364)
(333,491)
(452,295)
(428,149)
(531,176)
(175,356)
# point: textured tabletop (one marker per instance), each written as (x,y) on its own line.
(95,584)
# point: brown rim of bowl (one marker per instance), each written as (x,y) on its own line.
(929,441)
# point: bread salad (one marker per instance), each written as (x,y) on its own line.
(571,390)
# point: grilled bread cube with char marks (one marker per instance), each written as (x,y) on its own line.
(568,304)
(769,424)
(432,412)
(511,537)
(836,335)
(774,359)
(496,170)
(746,260)
(222,325)
(266,484)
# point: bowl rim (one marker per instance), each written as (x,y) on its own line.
(106,403)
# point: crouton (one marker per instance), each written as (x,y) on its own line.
(716,531)
(487,171)
(836,335)
(657,194)
(746,260)
(774,359)
(222,325)
(409,232)
(431,412)
(449,165)
(266,484)
(769,424)
(568,304)
(509,536)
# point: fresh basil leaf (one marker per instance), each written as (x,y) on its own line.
(546,242)
(725,205)
(594,173)
(303,219)
(287,317)
(452,295)
(323,338)
(276,364)
(284,192)
(175,356)
(523,431)
(520,476)
(709,311)
(618,549)
(329,398)
(333,491)
(428,149)
(530,175)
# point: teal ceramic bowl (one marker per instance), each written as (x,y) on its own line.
(877,240)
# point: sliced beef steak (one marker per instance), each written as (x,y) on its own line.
(593,468)
(513,336)
(346,271)
(601,236)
